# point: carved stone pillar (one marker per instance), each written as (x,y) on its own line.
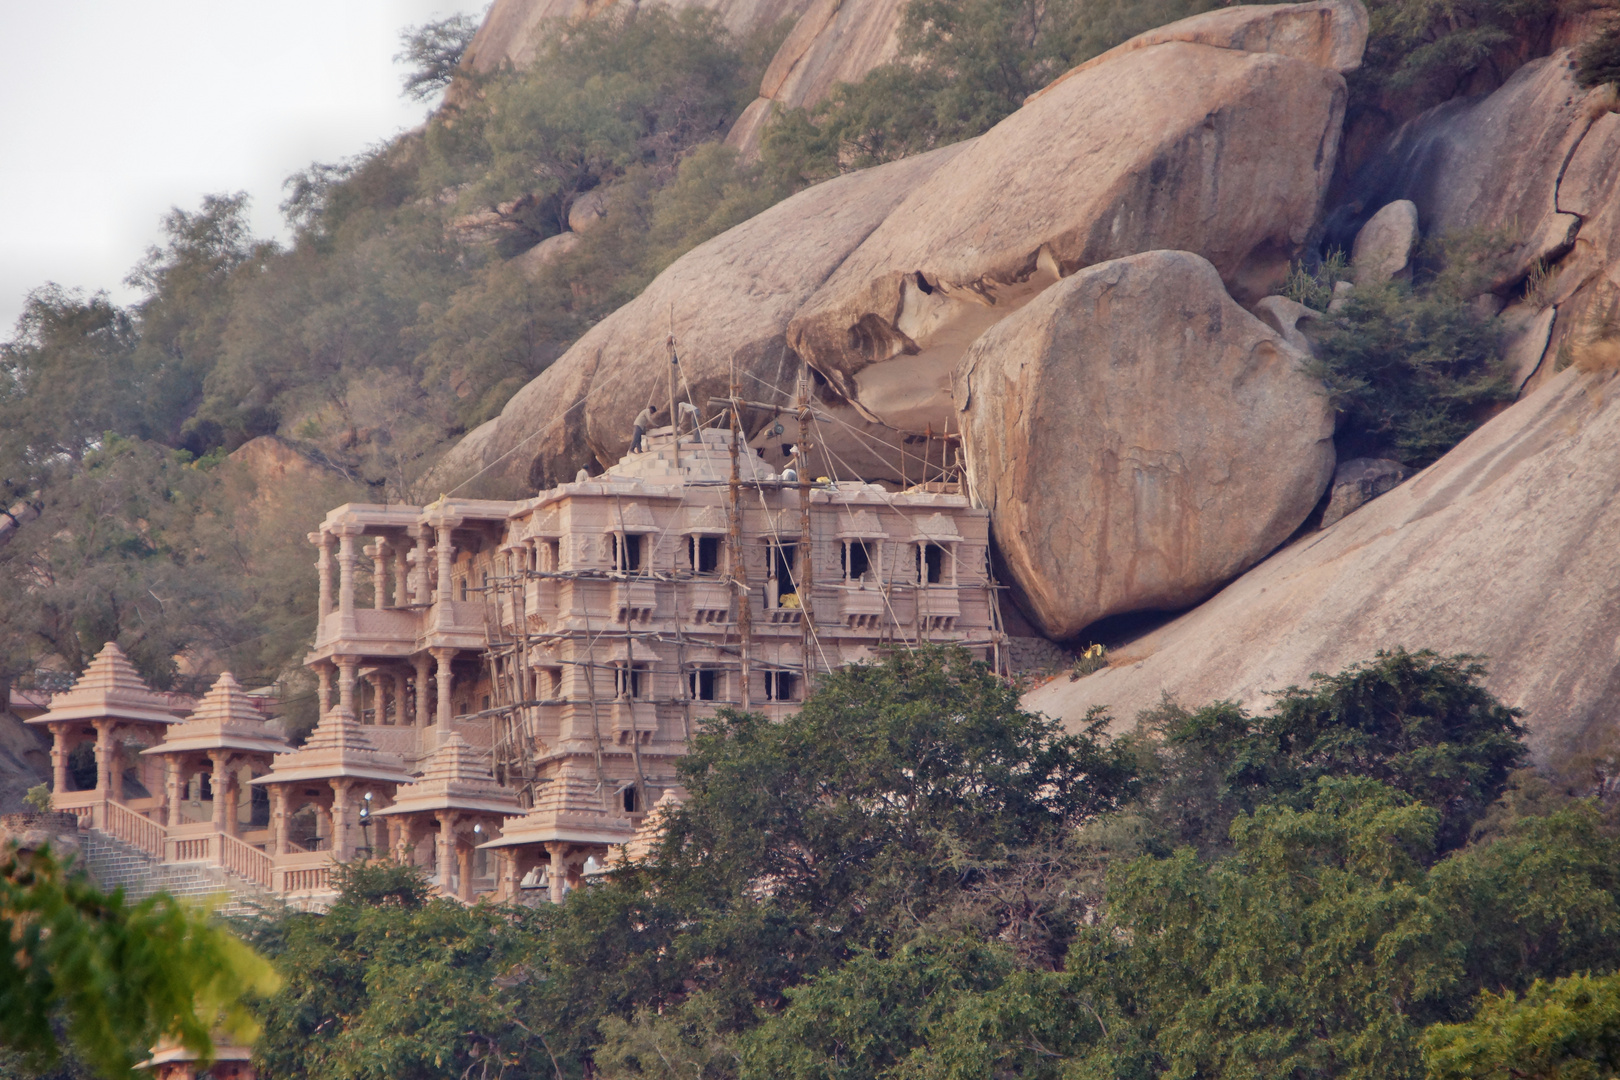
(445,851)
(402,586)
(443,657)
(400,683)
(106,782)
(558,871)
(173,788)
(446,552)
(379,698)
(348,673)
(233,803)
(464,866)
(59,758)
(278,819)
(323,689)
(419,572)
(342,818)
(379,572)
(420,714)
(323,564)
(222,786)
(346,557)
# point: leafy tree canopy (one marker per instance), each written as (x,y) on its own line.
(118,977)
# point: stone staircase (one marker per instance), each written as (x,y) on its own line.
(114,864)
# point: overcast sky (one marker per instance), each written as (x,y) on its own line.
(113,111)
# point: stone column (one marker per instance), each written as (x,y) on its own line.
(402,586)
(278,819)
(402,841)
(445,851)
(346,535)
(379,573)
(441,712)
(233,804)
(420,714)
(221,783)
(557,871)
(464,864)
(104,756)
(348,672)
(323,564)
(173,786)
(400,681)
(419,572)
(323,689)
(446,551)
(342,818)
(115,759)
(59,758)
(379,698)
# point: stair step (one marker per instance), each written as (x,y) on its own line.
(115,864)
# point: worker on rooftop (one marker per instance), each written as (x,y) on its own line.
(644,421)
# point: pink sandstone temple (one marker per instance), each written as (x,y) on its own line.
(505,687)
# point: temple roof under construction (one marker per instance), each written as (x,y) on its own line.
(227,718)
(570,809)
(338,747)
(110,688)
(454,780)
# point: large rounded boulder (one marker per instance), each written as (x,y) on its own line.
(1139,439)
(1176,145)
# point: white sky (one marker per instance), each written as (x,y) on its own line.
(113,111)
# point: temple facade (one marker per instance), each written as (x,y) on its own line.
(505,687)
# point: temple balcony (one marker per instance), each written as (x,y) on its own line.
(634,601)
(455,624)
(938,607)
(540,602)
(634,722)
(862,609)
(707,602)
(371,632)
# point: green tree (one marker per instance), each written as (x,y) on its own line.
(392,983)
(117,977)
(433,51)
(1420,722)
(1568,1029)
(1412,370)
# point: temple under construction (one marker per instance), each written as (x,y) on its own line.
(504,687)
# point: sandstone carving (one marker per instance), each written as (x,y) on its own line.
(1491,163)
(1139,439)
(1109,163)
(1504,548)
(727,302)
(1357,482)
(1383,247)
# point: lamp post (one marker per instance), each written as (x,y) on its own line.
(365,823)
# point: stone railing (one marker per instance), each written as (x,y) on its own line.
(244,860)
(302,873)
(132,828)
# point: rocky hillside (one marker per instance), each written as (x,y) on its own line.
(1086,296)
(1505,546)
(831,42)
